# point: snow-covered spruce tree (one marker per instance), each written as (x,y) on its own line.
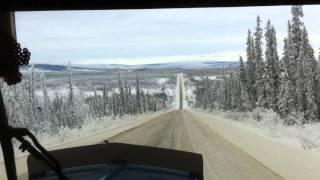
(296,29)
(272,71)
(16,100)
(163,96)
(59,111)
(206,93)
(32,86)
(126,96)
(105,99)
(297,74)
(309,64)
(114,105)
(96,112)
(131,103)
(228,89)
(214,94)
(70,86)
(149,102)
(232,90)
(122,103)
(217,94)
(300,82)
(245,101)
(138,95)
(291,54)
(235,91)
(32,97)
(144,101)
(226,97)
(46,100)
(197,93)
(134,105)
(286,100)
(317,90)
(260,66)
(231,79)
(295,68)
(74,107)
(288,60)
(71,119)
(46,104)
(300,65)
(35,110)
(154,107)
(251,70)
(221,93)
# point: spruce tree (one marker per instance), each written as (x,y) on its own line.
(121,100)
(272,71)
(309,65)
(243,86)
(138,96)
(251,70)
(286,102)
(46,110)
(105,99)
(260,66)
(296,28)
(70,86)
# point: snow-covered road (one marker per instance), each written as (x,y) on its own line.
(180,93)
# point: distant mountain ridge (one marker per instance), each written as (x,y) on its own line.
(101,67)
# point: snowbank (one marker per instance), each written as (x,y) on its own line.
(267,123)
(92,133)
(286,159)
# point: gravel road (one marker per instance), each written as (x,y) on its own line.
(181,130)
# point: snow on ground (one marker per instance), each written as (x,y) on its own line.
(198,78)
(162,80)
(274,145)
(92,132)
(63,91)
(271,126)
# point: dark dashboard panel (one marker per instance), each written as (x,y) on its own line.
(38,5)
(118,172)
(137,161)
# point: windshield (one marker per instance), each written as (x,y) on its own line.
(241,85)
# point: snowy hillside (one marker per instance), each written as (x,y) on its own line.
(102,67)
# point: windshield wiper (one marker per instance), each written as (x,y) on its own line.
(15,56)
(38,151)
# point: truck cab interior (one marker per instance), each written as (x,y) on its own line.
(114,161)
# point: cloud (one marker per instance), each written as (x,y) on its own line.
(141,35)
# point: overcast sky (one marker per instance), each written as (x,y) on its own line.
(150,36)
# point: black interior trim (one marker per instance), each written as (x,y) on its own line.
(43,5)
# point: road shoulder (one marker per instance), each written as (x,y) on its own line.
(288,162)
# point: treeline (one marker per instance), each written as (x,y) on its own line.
(287,85)
(40,111)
